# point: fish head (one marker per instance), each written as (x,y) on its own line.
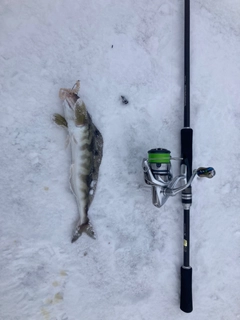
(69,103)
(74,108)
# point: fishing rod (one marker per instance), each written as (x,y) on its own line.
(158,173)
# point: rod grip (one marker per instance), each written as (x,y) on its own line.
(186,290)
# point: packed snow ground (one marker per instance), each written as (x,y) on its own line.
(135,49)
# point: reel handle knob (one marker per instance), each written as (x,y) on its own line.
(206,172)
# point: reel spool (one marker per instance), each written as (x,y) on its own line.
(159,162)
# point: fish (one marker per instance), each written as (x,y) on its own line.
(86,143)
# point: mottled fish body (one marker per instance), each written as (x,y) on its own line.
(86,144)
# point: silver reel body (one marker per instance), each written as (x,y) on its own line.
(159,176)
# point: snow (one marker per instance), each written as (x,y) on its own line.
(134,49)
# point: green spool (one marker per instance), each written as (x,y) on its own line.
(159,155)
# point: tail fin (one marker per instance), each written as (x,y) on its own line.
(83,228)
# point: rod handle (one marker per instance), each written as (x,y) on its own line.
(186,304)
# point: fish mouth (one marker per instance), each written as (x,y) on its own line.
(68,95)
(71,99)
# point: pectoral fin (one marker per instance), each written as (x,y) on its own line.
(60,120)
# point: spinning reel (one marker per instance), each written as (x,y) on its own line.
(158,173)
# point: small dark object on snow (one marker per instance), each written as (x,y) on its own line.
(124,100)
(112,46)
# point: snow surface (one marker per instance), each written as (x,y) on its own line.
(132,270)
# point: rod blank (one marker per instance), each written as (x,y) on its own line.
(187,64)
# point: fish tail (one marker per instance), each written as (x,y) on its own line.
(83,228)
